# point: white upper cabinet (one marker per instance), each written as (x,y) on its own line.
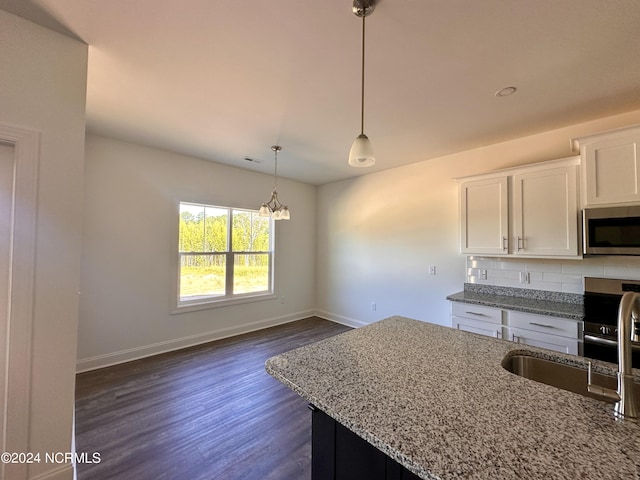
(545,212)
(484,215)
(611,167)
(525,211)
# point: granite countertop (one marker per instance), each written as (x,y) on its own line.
(438,401)
(521,300)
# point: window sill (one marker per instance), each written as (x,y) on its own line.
(226,302)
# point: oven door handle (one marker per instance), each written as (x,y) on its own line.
(600,341)
(609,343)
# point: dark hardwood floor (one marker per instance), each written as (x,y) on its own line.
(206,412)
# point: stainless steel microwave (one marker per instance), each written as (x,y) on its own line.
(611,230)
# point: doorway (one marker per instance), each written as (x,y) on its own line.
(7,158)
(19,152)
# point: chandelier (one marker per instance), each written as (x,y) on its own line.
(273,208)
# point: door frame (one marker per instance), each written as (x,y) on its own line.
(17,374)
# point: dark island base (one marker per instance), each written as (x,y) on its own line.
(339,454)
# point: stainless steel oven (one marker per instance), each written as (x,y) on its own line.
(601,301)
(611,231)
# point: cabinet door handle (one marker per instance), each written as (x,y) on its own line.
(498,334)
(520,243)
(542,325)
(505,243)
(515,338)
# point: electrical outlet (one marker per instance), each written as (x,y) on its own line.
(373,306)
(483,274)
(524,277)
(432,269)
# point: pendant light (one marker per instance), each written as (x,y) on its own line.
(273,208)
(361,153)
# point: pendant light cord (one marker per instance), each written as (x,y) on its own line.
(276,149)
(275,179)
(362,86)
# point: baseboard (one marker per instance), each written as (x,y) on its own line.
(63,472)
(122,356)
(332,317)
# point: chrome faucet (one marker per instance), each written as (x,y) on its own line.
(626,399)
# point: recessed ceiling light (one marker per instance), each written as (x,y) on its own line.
(505,92)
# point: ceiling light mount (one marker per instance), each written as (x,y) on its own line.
(363,8)
(361,153)
(505,92)
(273,208)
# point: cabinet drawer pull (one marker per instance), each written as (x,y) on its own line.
(542,325)
(477,314)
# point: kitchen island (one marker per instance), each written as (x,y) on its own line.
(438,401)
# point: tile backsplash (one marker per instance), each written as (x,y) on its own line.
(545,274)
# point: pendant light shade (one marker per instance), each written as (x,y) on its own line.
(361,153)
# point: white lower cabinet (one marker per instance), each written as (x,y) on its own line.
(477,319)
(543,340)
(477,326)
(553,333)
(559,334)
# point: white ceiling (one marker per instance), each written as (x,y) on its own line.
(226,79)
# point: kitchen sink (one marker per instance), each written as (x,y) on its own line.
(559,375)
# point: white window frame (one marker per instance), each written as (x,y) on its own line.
(229,298)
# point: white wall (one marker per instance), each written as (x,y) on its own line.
(129,225)
(378,234)
(43,87)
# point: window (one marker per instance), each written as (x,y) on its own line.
(225,255)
